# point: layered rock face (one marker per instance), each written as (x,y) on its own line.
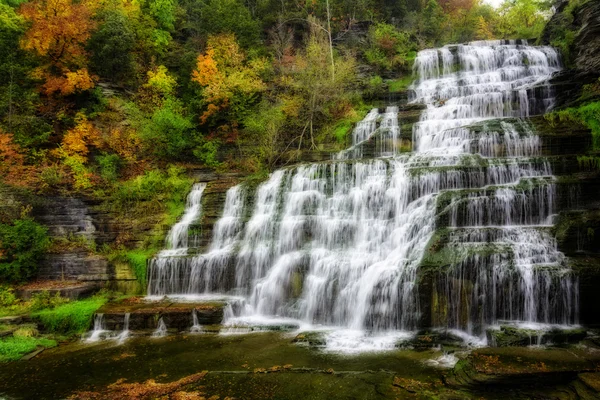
(584,68)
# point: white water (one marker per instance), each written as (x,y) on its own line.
(99,331)
(161,329)
(339,244)
(124,335)
(178,237)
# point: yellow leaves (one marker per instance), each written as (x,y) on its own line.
(74,150)
(206,71)
(125,142)
(75,142)
(161,81)
(58,32)
(12,163)
(483,29)
(71,82)
(59,28)
(225,75)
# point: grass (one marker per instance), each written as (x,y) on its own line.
(70,318)
(13,348)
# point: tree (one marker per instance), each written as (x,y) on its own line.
(23,243)
(18,99)
(58,32)
(112,47)
(432,21)
(13,170)
(317,92)
(229,81)
(483,29)
(215,17)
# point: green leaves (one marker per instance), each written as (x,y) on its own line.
(22,246)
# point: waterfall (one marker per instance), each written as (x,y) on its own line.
(99,329)
(341,243)
(196,327)
(125,332)
(161,329)
(178,236)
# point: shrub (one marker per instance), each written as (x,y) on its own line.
(109,166)
(44,300)
(7,296)
(586,114)
(22,246)
(155,186)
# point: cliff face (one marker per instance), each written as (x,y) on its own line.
(578,29)
(578,228)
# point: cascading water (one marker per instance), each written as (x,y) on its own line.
(99,329)
(340,243)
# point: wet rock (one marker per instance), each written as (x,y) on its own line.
(509,336)
(145,315)
(312,339)
(429,339)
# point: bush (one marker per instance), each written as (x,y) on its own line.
(155,186)
(7,296)
(109,166)
(70,318)
(586,114)
(44,300)
(22,246)
(168,131)
(13,348)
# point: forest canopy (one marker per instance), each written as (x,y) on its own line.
(97,93)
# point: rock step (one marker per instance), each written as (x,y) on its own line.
(145,315)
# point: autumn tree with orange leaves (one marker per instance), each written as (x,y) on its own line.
(230,83)
(13,169)
(58,32)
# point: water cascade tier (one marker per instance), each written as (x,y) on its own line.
(455,234)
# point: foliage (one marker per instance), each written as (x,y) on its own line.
(155,187)
(71,318)
(109,166)
(22,246)
(112,46)
(44,300)
(217,17)
(523,19)
(58,32)
(7,296)
(229,81)
(587,114)
(167,133)
(389,47)
(13,348)
(13,169)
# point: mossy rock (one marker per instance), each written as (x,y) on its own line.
(510,336)
(311,339)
